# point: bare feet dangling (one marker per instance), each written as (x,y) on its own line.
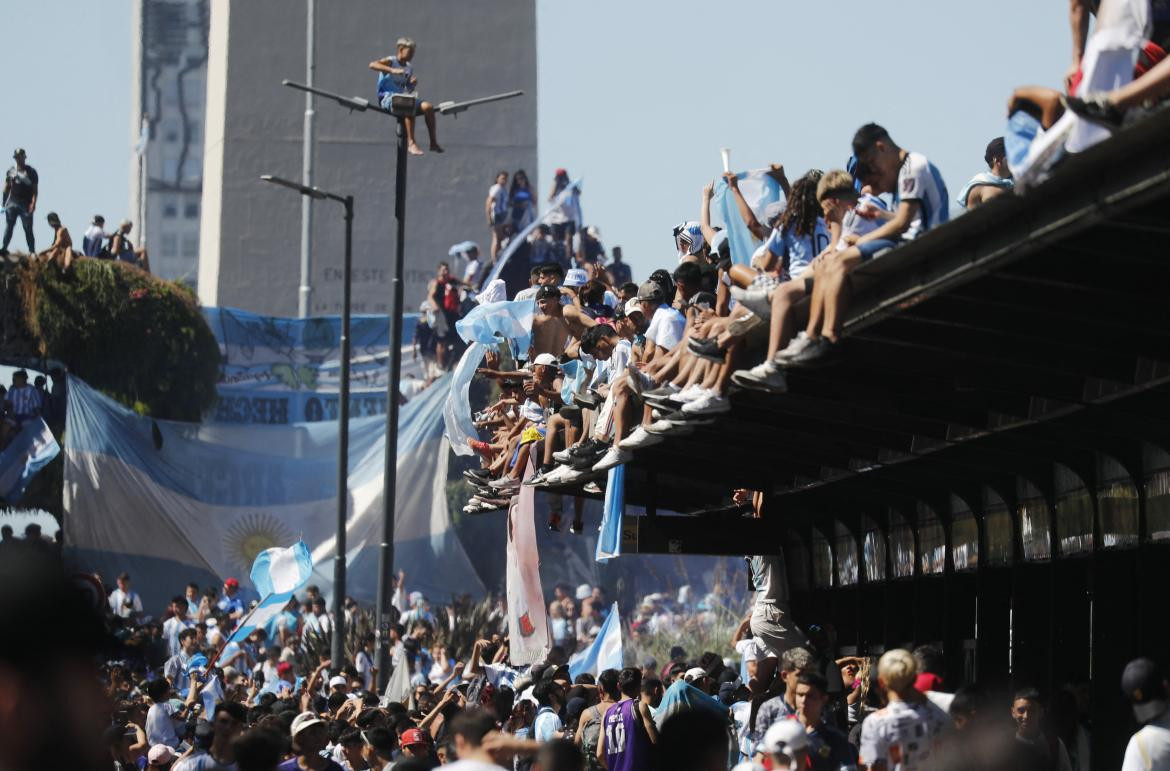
(414,149)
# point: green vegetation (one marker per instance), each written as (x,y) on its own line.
(137,338)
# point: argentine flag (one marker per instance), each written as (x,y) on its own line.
(29,452)
(605,652)
(277,574)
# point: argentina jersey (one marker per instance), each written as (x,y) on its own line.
(919,180)
(395,84)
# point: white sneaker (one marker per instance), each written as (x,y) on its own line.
(504,483)
(758,301)
(762,377)
(564,475)
(795,347)
(711,403)
(614,457)
(670,428)
(563,456)
(640,438)
(592,487)
(688,394)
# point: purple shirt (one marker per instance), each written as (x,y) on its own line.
(627,747)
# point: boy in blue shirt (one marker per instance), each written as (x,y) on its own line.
(396,76)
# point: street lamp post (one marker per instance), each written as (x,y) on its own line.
(337,649)
(402,107)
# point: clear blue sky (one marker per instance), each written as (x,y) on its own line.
(636,97)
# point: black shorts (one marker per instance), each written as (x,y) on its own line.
(562,230)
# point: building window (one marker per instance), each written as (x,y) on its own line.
(997,530)
(1157,493)
(873,551)
(964,536)
(932,547)
(1034,523)
(190,244)
(1074,512)
(170,132)
(901,545)
(170,168)
(845,549)
(170,208)
(822,561)
(191,210)
(170,245)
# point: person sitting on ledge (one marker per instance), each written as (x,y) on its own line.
(396,76)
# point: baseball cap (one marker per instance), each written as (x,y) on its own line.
(413,736)
(303,721)
(694,673)
(583,591)
(337,680)
(546,359)
(575,277)
(18,153)
(632,306)
(785,735)
(548,292)
(703,300)
(233,583)
(721,246)
(1145,686)
(650,291)
(560,173)
(160,755)
(283,668)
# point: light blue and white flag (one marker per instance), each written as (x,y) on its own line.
(760,190)
(609,539)
(162,498)
(507,320)
(457,421)
(605,652)
(277,574)
(30,451)
(211,696)
(573,189)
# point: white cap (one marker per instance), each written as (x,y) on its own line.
(694,673)
(575,277)
(303,721)
(160,755)
(632,306)
(547,360)
(337,680)
(783,736)
(583,591)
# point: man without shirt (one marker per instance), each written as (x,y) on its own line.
(989,184)
(553,327)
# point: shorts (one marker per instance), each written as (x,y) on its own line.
(563,230)
(773,628)
(765,281)
(871,249)
(499,219)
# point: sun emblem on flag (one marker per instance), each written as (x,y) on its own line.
(251,534)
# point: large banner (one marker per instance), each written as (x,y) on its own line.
(175,502)
(279,370)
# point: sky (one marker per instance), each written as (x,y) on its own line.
(635,97)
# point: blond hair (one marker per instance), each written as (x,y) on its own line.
(836,184)
(405,42)
(897,670)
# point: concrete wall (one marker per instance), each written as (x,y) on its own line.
(250,238)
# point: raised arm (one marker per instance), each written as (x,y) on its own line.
(705,212)
(383,65)
(757,229)
(1078,23)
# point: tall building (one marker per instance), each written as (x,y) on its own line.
(170,86)
(250,237)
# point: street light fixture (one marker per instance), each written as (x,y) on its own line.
(337,648)
(402,106)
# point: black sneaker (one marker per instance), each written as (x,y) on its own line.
(1095,108)
(707,349)
(586,460)
(477,474)
(588,448)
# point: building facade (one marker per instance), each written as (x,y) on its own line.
(250,237)
(170,86)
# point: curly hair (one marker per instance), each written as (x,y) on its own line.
(800,215)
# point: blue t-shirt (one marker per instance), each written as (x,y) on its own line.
(546,725)
(395,84)
(801,249)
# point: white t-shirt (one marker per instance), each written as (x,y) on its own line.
(618,360)
(853,224)
(903,735)
(1149,748)
(666,327)
(120,608)
(472,272)
(171,629)
(365,666)
(499,196)
(919,180)
(160,725)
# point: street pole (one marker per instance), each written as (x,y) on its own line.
(305,291)
(337,650)
(390,468)
(337,643)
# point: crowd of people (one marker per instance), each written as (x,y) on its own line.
(21,183)
(22,402)
(115,687)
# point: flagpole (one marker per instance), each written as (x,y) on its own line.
(243,621)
